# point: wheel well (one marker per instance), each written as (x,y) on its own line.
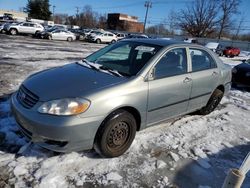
(221,87)
(135,113)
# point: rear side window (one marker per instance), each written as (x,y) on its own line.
(201,60)
(174,62)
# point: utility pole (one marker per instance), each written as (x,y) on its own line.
(77,15)
(148,4)
(54,13)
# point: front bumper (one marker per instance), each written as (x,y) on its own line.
(57,133)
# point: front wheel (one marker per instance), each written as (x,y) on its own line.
(13,31)
(116,134)
(212,102)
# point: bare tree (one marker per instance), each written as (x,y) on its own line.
(88,18)
(199,18)
(60,18)
(173,20)
(159,29)
(228,8)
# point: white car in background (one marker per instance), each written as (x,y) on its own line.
(25,28)
(61,34)
(120,36)
(105,37)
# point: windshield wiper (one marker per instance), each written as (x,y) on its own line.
(89,64)
(112,71)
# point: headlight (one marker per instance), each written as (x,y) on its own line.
(234,70)
(68,106)
(248,74)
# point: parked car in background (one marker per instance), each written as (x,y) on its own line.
(241,74)
(120,35)
(118,90)
(215,47)
(80,35)
(90,34)
(45,33)
(136,36)
(61,34)
(24,28)
(105,37)
(6,25)
(230,51)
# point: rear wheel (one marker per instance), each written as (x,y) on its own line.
(70,39)
(116,134)
(113,41)
(212,102)
(13,31)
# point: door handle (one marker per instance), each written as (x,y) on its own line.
(187,79)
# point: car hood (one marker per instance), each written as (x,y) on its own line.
(68,81)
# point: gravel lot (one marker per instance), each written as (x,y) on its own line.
(189,152)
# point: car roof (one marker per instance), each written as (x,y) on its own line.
(159,42)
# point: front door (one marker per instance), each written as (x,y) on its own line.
(170,89)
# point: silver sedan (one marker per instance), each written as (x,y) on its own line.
(101,101)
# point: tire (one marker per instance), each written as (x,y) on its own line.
(113,41)
(98,41)
(212,102)
(13,32)
(70,39)
(116,134)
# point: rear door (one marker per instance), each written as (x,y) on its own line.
(56,35)
(204,75)
(170,89)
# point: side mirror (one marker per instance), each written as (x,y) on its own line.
(151,74)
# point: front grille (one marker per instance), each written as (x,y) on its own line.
(26,98)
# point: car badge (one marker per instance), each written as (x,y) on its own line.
(23,96)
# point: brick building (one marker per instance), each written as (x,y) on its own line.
(123,22)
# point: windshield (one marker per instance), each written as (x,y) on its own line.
(125,57)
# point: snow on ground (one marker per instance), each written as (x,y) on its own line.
(190,151)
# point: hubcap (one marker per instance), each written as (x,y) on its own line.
(118,135)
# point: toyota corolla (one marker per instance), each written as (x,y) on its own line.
(101,101)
